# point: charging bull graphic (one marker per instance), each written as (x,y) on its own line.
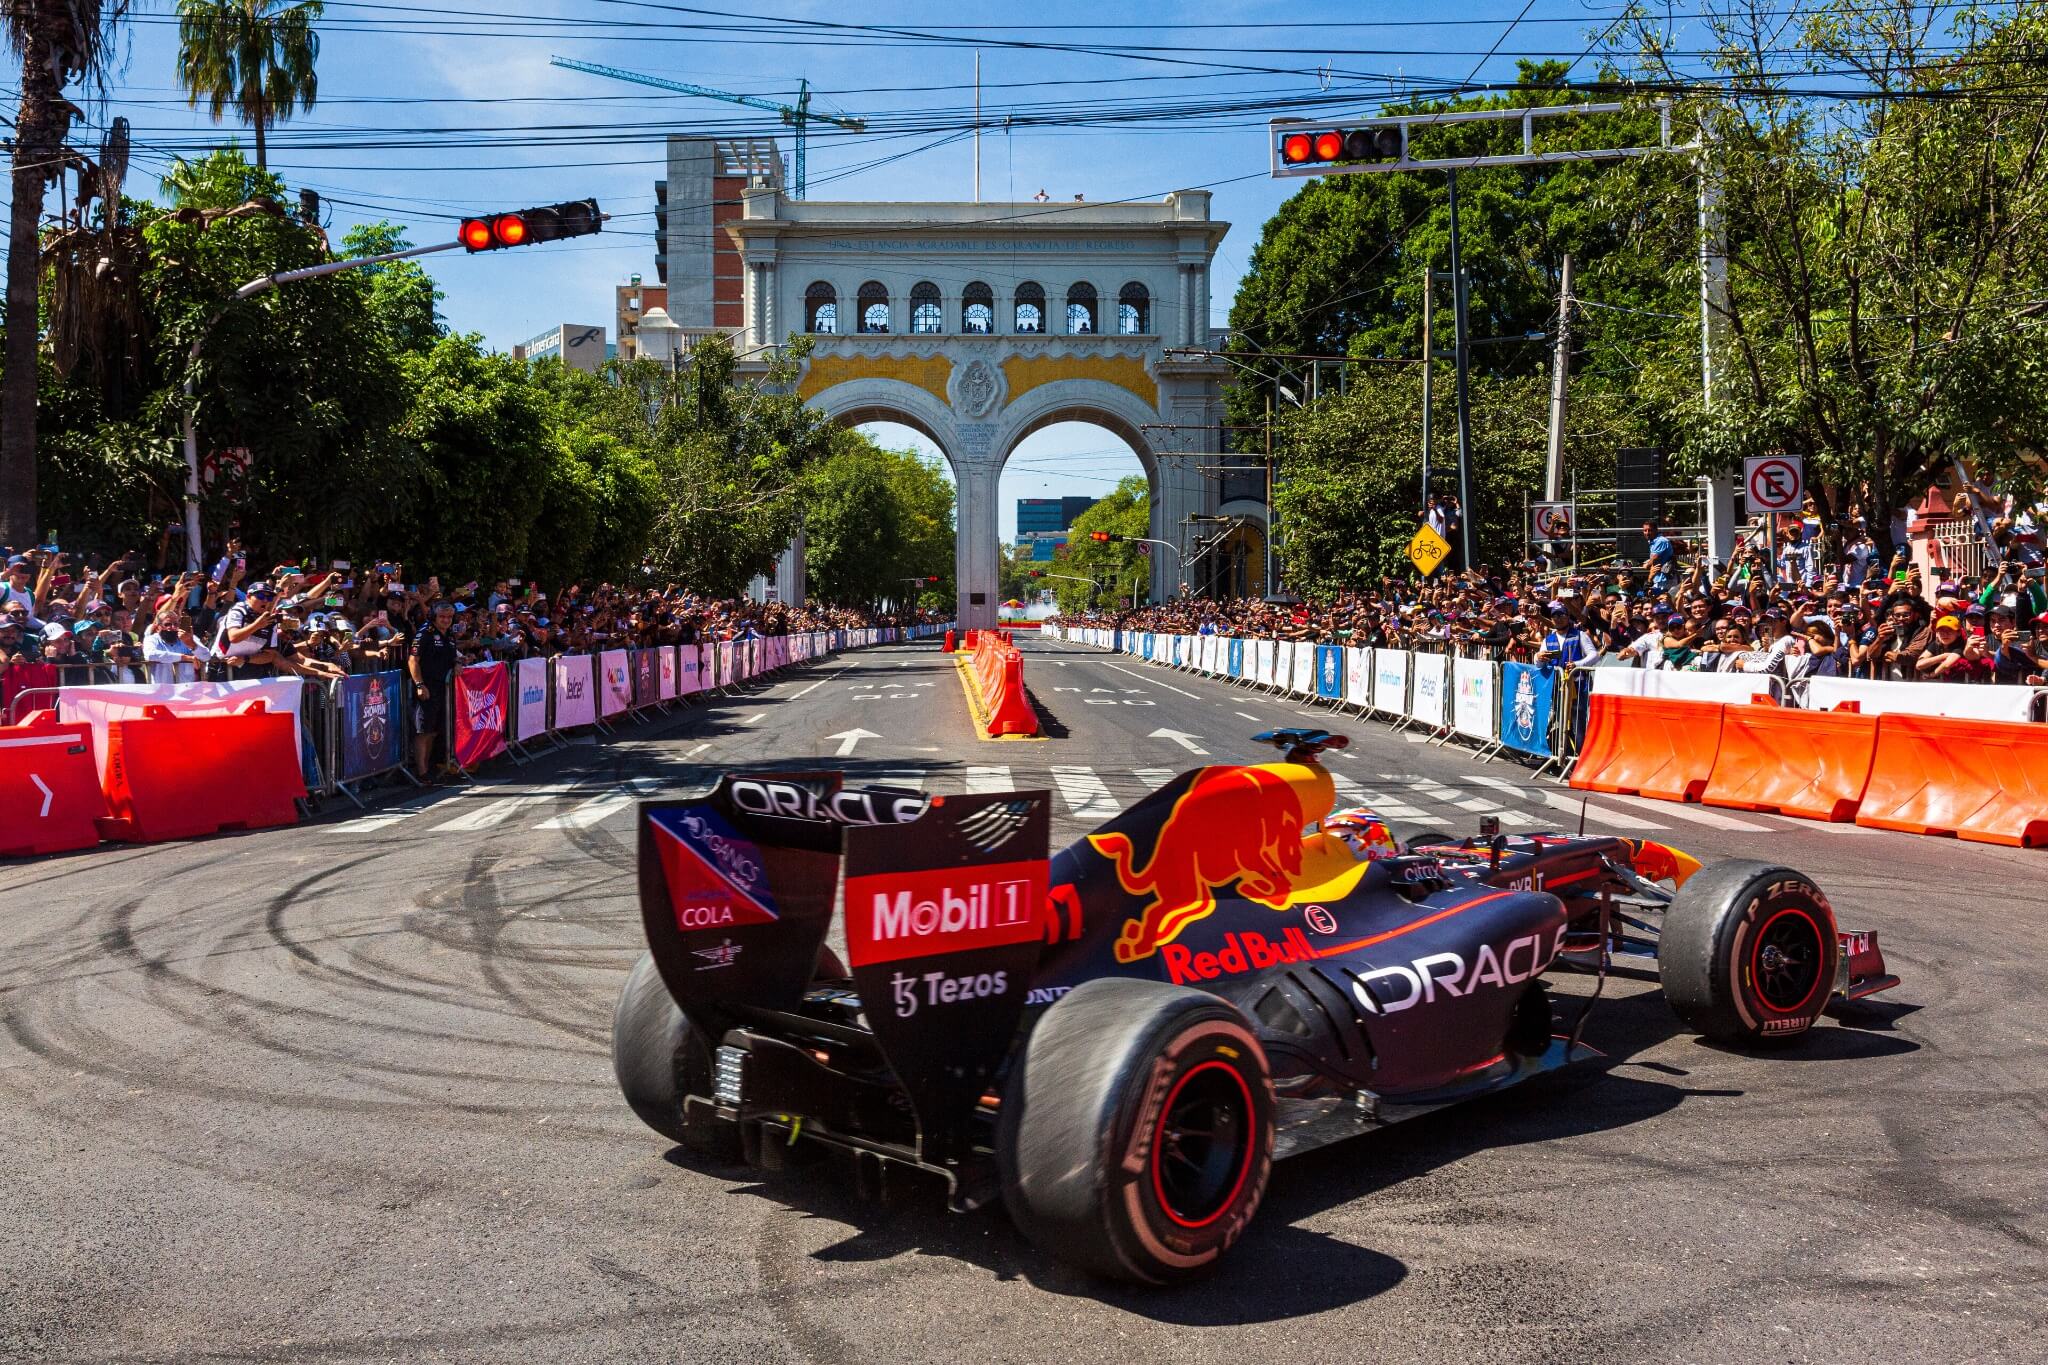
(1240,825)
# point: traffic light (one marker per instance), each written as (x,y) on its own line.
(1036,573)
(546,223)
(1329,146)
(931,578)
(1100,535)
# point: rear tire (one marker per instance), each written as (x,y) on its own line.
(1414,836)
(1747,954)
(659,1057)
(1136,1130)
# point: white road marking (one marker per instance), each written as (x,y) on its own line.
(1153,778)
(1478,805)
(808,690)
(488,814)
(902,777)
(994,779)
(596,809)
(698,750)
(1569,805)
(1692,814)
(1142,678)
(756,718)
(1253,719)
(1086,796)
(1377,802)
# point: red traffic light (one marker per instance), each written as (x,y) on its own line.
(1296,148)
(1329,146)
(931,578)
(522,227)
(1036,573)
(1098,535)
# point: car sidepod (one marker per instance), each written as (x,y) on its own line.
(1437,995)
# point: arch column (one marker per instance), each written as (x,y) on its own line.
(975,546)
(1178,492)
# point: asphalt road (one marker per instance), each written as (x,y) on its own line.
(343,1093)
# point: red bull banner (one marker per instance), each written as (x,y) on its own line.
(481,697)
(575,691)
(644,685)
(615,682)
(665,673)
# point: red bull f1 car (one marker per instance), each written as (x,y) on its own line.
(1119,1041)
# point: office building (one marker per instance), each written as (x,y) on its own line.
(579,346)
(630,302)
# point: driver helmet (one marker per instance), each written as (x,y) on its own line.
(1364,832)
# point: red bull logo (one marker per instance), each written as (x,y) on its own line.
(1232,825)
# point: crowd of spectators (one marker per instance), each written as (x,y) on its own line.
(120,620)
(1795,601)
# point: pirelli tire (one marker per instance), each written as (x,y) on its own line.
(1136,1130)
(1748,952)
(659,1057)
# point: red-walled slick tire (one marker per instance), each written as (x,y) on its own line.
(1748,952)
(1136,1133)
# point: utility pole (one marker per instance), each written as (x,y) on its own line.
(1714,308)
(1428,370)
(1560,366)
(1468,514)
(1269,495)
(977,127)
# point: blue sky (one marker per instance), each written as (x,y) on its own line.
(446,78)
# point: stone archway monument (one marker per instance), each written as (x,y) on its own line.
(978,324)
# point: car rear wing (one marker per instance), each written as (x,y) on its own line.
(945,903)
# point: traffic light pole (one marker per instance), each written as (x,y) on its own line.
(259,285)
(1467,513)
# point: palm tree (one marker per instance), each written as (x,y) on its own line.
(255,54)
(59,41)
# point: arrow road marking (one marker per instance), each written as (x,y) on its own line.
(1186,741)
(48,796)
(848,738)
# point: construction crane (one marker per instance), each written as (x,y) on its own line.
(796,116)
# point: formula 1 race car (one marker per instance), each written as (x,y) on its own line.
(1118,1042)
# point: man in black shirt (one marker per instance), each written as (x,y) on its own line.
(431,662)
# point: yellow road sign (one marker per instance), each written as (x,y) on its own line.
(1427,550)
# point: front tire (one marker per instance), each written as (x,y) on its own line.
(1748,952)
(1136,1130)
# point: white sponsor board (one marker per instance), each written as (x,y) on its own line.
(1390,681)
(1431,675)
(1475,700)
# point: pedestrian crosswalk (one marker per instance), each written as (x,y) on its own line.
(1084,795)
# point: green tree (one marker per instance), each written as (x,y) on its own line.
(1346,495)
(853,526)
(1117,565)
(480,432)
(257,55)
(402,294)
(59,41)
(1887,257)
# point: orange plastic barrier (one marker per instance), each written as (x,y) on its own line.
(999,675)
(174,777)
(1812,764)
(49,787)
(1985,780)
(952,643)
(1649,746)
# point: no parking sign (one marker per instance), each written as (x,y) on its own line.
(1774,483)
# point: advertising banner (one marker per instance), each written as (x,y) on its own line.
(530,716)
(1358,677)
(1236,658)
(724,661)
(575,691)
(665,673)
(100,706)
(689,674)
(645,692)
(1390,681)
(480,698)
(1527,694)
(1474,707)
(1429,676)
(1876,697)
(372,732)
(615,687)
(1303,680)
(1147,643)
(1330,672)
